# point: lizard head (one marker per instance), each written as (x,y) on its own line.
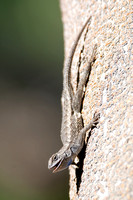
(60,160)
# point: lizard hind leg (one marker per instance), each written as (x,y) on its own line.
(79,95)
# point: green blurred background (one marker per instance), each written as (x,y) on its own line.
(31,59)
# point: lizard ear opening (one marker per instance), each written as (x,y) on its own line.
(74,148)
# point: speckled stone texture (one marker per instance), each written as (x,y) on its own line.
(108,163)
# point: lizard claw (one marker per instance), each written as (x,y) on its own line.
(96,117)
(75,165)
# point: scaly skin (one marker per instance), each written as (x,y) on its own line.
(72,130)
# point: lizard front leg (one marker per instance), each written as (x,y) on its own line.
(92,123)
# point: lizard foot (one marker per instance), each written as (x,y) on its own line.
(96,118)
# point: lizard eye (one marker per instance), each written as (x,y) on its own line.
(55,157)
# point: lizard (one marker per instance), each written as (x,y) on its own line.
(72,130)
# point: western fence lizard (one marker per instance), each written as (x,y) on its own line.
(72,130)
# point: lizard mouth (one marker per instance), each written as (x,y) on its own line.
(57,166)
